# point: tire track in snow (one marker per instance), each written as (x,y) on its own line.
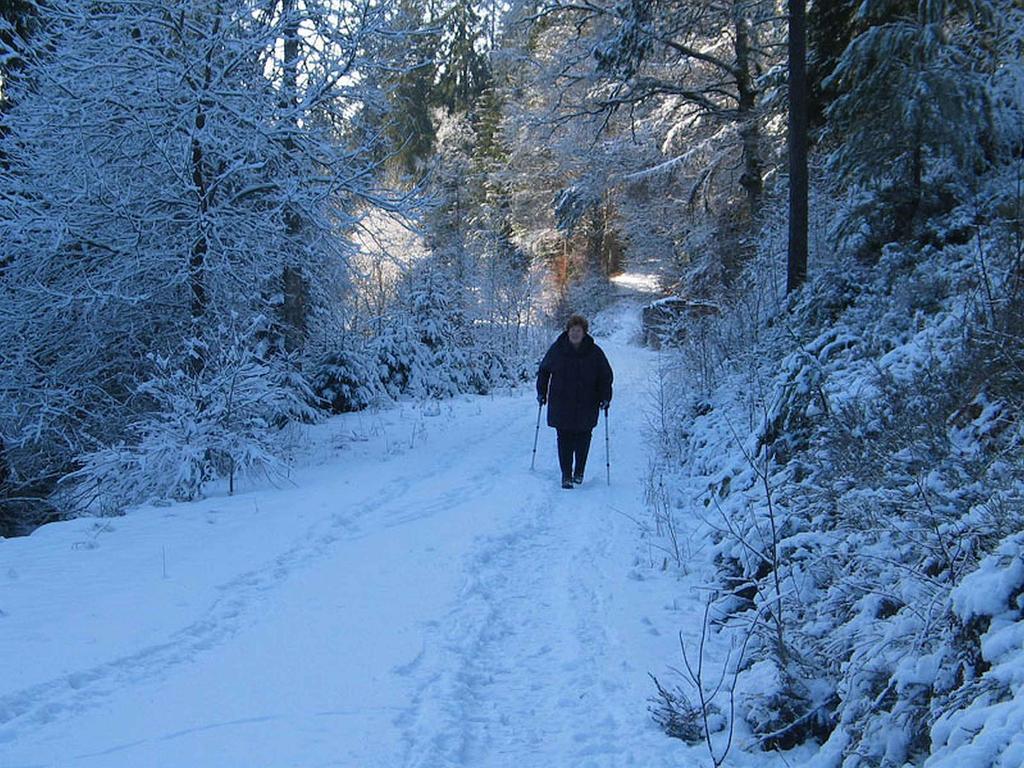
(447,715)
(527,669)
(523,668)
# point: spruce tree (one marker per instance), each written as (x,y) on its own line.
(911,117)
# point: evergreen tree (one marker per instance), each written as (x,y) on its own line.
(463,70)
(410,90)
(911,120)
(504,264)
(830,26)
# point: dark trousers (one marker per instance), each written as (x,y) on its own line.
(573,445)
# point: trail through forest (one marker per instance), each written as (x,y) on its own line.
(416,596)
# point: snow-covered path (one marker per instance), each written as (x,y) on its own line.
(418,598)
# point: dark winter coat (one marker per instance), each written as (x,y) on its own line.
(574,381)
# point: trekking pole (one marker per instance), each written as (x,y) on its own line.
(536,434)
(607,452)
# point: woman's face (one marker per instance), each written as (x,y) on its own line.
(576,335)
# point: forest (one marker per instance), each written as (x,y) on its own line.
(220,221)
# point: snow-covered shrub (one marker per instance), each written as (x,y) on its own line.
(427,348)
(855,461)
(196,426)
(679,717)
(401,360)
(432,317)
(347,379)
(492,367)
(782,711)
(449,370)
(986,726)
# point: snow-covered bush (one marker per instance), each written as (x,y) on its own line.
(858,463)
(400,360)
(347,379)
(196,426)
(427,348)
(983,721)
(678,716)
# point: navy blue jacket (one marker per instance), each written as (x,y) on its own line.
(574,382)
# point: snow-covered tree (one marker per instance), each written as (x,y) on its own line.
(705,62)
(172,170)
(911,112)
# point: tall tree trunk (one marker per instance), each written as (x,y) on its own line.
(293,281)
(796,263)
(4,472)
(595,241)
(200,246)
(750,135)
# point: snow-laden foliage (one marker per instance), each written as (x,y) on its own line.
(987,728)
(430,349)
(197,427)
(345,380)
(703,67)
(169,170)
(856,455)
(918,110)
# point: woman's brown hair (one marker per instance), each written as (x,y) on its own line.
(579,320)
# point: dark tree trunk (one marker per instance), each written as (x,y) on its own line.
(294,288)
(752,178)
(4,472)
(200,246)
(909,208)
(596,241)
(293,310)
(201,181)
(197,260)
(197,257)
(796,266)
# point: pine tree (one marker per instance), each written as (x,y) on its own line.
(411,90)
(463,70)
(911,116)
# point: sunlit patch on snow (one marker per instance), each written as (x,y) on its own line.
(637,281)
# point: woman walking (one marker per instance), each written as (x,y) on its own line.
(575,380)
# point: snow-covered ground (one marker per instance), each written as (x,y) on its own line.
(416,597)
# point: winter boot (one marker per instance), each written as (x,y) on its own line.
(577,477)
(567,482)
